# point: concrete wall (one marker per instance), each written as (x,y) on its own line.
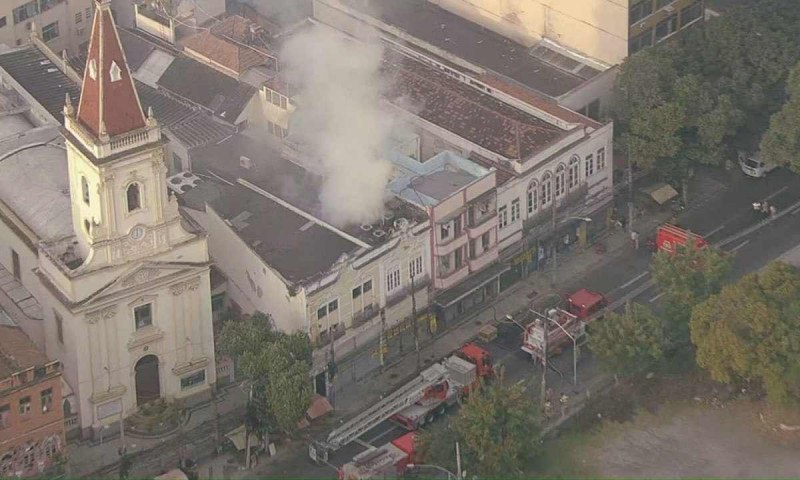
(596,28)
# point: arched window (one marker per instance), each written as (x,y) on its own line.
(574,171)
(561,172)
(533,198)
(85,190)
(133,195)
(545,189)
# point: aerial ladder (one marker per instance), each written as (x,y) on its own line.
(401,398)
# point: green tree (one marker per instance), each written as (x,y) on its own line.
(497,430)
(781,143)
(687,278)
(278,364)
(628,341)
(751,330)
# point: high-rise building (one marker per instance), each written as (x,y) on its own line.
(63,25)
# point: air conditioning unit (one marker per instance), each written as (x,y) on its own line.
(245,162)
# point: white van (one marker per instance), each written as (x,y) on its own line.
(754,167)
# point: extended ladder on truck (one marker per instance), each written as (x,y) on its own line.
(406,395)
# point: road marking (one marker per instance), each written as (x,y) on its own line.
(519,382)
(795,211)
(712,232)
(634,280)
(657,297)
(776,193)
(737,247)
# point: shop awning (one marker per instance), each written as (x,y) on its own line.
(236,436)
(470,285)
(660,192)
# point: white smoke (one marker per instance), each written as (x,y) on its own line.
(340,119)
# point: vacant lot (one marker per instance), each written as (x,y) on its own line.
(681,440)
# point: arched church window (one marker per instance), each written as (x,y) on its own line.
(134,197)
(115,73)
(85,190)
(92,69)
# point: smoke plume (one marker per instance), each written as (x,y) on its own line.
(340,119)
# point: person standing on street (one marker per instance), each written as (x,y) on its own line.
(635,239)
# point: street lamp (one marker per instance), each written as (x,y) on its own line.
(450,475)
(555,242)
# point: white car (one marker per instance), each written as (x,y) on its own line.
(754,167)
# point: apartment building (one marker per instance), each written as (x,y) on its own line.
(31,412)
(607,30)
(62,24)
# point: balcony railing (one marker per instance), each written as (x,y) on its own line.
(362,316)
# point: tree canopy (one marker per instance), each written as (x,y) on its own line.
(751,330)
(694,99)
(687,278)
(781,143)
(497,430)
(628,341)
(278,364)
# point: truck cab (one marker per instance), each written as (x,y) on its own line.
(478,357)
(753,167)
(585,303)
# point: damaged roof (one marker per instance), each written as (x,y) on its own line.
(235,43)
(466,111)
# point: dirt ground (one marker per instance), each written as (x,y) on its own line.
(693,441)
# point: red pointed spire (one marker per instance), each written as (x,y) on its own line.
(109,103)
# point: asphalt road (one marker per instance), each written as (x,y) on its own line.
(719,216)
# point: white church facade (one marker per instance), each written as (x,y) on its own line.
(125,294)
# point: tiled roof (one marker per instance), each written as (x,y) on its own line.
(18,352)
(200,129)
(227,44)
(40,78)
(108,105)
(205,86)
(467,112)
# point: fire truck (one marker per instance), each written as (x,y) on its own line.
(562,327)
(668,237)
(387,461)
(417,402)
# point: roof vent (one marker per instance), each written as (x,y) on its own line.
(245,162)
(378,233)
(366,227)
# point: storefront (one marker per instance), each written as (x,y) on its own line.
(478,290)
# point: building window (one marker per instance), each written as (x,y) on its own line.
(532,197)
(3,22)
(322,312)
(50,32)
(59,327)
(641,41)
(666,27)
(514,210)
(691,13)
(444,263)
(177,163)
(328,308)
(78,17)
(194,379)
(114,72)
(545,189)
(393,280)
(5,416)
(561,172)
(589,165)
(485,241)
(88,13)
(133,195)
(143,315)
(25,405)
(85,190)
(444,231)
(46,397)
(92,69)
(48,4)
(333,306)
(415,267)
(574,171)
(217,303)
(601,159)
(640,10)
(24,12)
(87,226)
(15,265)
(459,258)
(502,213)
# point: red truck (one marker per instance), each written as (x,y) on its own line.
(387,461)
(585,303)
(668,237)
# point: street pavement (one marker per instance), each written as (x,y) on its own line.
(720,210)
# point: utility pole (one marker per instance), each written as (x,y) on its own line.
(458,461)
(555,245)
(382,342)
(630,189)
(544,362)
(247,431)
(414,318)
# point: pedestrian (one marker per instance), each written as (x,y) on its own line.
(563,401)
(773,210)
(635,239)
